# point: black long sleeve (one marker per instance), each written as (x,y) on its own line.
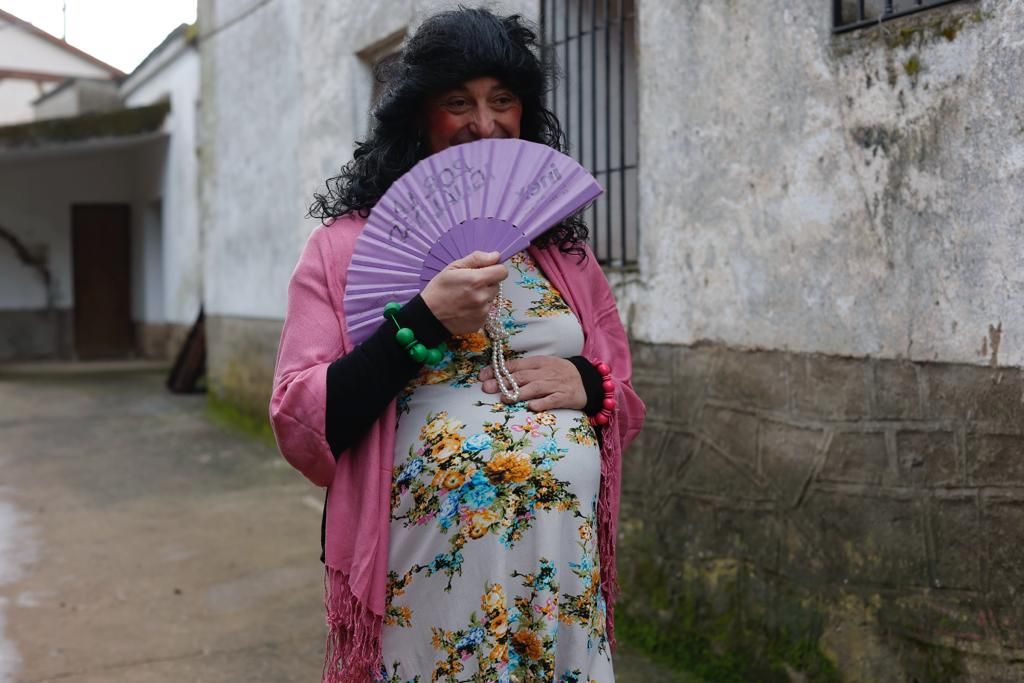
(593,384)
(361,384)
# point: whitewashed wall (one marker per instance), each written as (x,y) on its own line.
(799,190)
(852,195)
(173,255)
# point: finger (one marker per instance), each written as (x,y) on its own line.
(548,402)
(477,259)
(528,392)
(487,373)
(529,363)
(525,393)
(489,387)
(491,275)
(525,377)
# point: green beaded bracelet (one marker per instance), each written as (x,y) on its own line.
(406,338)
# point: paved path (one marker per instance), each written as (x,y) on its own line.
(141,543)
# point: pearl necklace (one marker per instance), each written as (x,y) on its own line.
(498,335)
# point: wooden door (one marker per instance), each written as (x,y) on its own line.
(101,258)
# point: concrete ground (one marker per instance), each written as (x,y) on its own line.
(142,543)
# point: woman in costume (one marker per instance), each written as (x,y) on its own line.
(470,519)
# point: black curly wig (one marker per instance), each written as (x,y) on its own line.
(447,50)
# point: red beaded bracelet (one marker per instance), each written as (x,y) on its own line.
(608,405)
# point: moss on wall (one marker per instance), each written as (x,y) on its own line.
(227,414)
(711,624)
(135,121)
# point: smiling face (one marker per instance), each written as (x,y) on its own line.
(482,108)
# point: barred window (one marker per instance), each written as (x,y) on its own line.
(851,14)
(594,43)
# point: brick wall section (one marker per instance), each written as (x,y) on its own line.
(875,506)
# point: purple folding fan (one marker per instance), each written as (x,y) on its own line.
(488,195)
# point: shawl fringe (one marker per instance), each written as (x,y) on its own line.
(353,633)
(607,516)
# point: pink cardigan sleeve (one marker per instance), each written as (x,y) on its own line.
(311,340)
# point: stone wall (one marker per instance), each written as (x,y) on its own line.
(826,514)
(240,357)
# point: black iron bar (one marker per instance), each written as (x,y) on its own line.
(622,128)
(607,128)
(863,22)
(568,82)
(579,84)
(547,28)
(593,105)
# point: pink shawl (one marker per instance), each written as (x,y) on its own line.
(358,508)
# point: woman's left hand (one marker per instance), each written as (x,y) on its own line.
(545,382)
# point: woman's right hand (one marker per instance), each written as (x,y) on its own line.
(460,296)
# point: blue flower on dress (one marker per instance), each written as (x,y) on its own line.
(527,280)
(513,659)
(550,447)
(410,472)
(545,464)
(441,562)
(583,568)
(545,576)
(471,640)
(510,324)
(476,443)
(449,509)
(478,493)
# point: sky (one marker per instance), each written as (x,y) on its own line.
(119,32)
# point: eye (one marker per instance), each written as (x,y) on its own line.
(456,103)
(505,100)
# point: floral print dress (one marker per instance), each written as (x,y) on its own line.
(493,571)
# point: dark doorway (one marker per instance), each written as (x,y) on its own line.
(101,258)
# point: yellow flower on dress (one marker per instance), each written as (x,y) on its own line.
(435,376)
(499,652)
(528,643)
(498,625)
(509,467)
(439,426)
(453,480)
(494,599)
(447,447)
(480,523)
(546,419)
(474,342)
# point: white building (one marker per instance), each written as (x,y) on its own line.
(33,63)
(99,234)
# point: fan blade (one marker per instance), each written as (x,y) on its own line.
(370,267)
(487,195)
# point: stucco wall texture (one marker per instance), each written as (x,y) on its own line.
(855,194)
